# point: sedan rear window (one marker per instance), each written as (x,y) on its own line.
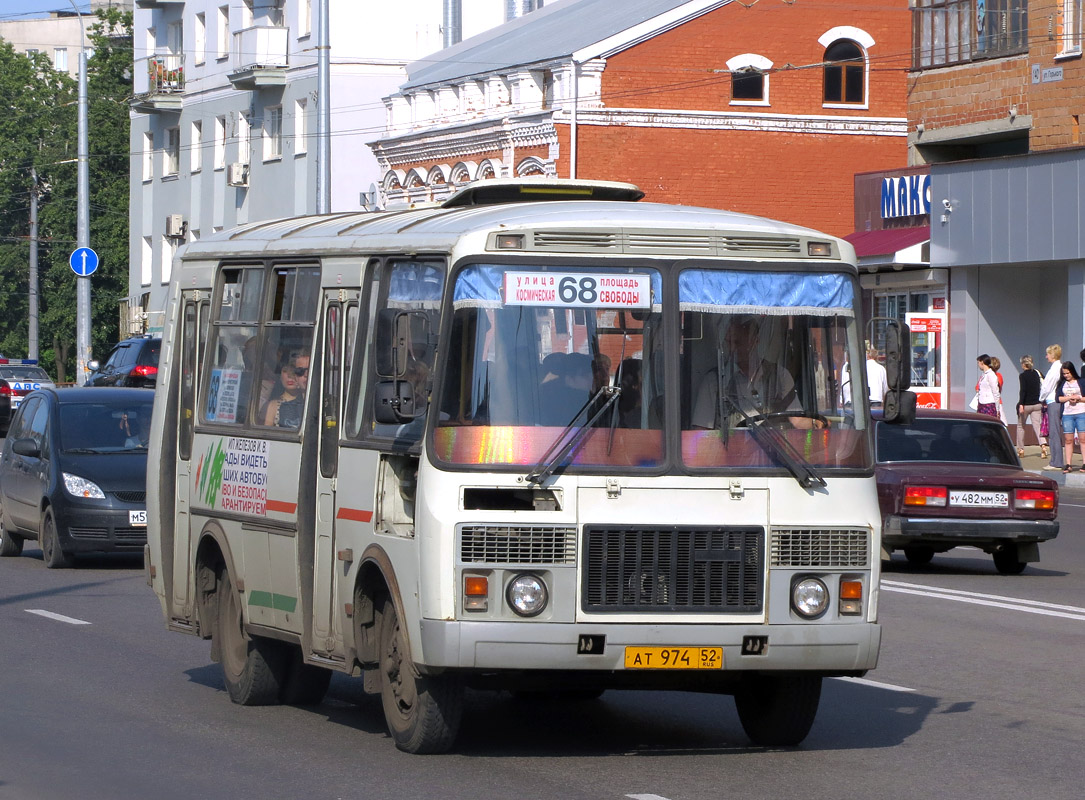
(24,374)
(945,440)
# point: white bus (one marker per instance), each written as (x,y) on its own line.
(541,438)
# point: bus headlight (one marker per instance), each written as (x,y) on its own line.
(809,597)
(527,595)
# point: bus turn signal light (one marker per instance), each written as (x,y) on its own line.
(1039,499)
(925,496)
(851,597)
(476,593)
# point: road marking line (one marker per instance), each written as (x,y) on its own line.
(892,687)
(646,797)
(1019,600)
(57,617)
(1013,606)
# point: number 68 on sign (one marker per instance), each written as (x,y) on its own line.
(577,289)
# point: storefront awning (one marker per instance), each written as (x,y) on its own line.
(892,245)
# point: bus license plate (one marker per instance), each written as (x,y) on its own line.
(674,658)
(137,517)
(983,499)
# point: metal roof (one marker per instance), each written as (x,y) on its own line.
(553,32)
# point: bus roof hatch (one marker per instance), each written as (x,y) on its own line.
(497,192)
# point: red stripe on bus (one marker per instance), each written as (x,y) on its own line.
(281,507)
(354,514)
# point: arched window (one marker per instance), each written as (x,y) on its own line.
(749,79)
(845,73)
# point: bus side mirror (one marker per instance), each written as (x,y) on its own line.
(394,402)
(392,340)
(898,407)
(898,356)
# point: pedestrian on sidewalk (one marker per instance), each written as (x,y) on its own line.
(1029,405)
(996,365)
(1069,394)
(987,389)
(1054,408)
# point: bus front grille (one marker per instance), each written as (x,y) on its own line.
(517,544)
(820,547)
(677,569)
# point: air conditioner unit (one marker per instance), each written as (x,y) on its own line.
(175,226)
(237,174)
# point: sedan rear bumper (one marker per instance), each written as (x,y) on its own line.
(900,531)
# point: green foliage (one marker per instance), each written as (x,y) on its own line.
(41,132)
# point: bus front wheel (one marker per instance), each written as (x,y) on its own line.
(252,667)
(422,711)
(778,710)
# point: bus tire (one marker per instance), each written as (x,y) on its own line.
(51,552)
(422,711)
(303,684)
(252,666)
(778,710)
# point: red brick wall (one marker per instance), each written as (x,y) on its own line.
(1053,105)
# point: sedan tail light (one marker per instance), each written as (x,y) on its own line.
(1039,499)
(925,495)
(5,389)
(145,371)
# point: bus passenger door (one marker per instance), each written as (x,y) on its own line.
(193,313)
(340,325)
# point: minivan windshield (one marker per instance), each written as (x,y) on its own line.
(105,427)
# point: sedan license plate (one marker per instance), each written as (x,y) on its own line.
(981,499)
(674,658)
(137,517)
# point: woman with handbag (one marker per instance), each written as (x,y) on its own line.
(1029,406)
(987,394)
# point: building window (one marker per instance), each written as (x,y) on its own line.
(749,79)
(146,258)
(305,18)
(169,247)
(60,59)
(301,126)
(844,74)
(171,163)
(220,142)
(148,156)
(200,35)
(223,32)
(243,128)
(1071,28)
(195,153)
(273,132)
(955,31)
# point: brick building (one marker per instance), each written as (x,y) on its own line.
(996,96)
(766,108)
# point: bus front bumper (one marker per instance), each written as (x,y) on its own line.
(824,649)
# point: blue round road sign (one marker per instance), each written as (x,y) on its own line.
(83,261)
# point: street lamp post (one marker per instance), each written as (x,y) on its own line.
(82,236)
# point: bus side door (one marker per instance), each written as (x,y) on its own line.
(339,331)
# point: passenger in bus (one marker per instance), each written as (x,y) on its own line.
(629,402)
(753,386)
(284,408)
(266,377)
(562,398)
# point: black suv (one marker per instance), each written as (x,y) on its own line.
(133,362)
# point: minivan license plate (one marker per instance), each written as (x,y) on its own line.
(674,658)
(137,517)
(983,499)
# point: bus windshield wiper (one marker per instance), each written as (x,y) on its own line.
(557,451)
(768,439)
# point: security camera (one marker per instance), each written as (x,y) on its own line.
(947,205)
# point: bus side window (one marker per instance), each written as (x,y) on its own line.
(333,381)
(188,382)
(235,330)
(361,343)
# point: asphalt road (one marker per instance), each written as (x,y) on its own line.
(978,695)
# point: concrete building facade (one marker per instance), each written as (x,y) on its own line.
(59,34)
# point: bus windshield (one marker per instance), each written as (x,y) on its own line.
(537,354)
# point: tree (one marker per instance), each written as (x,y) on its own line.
(44,134)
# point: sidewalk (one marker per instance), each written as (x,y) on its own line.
(1034,462)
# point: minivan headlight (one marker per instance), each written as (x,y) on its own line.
(81,487)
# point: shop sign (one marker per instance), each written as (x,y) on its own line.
(906,196)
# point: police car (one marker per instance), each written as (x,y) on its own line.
(18,378)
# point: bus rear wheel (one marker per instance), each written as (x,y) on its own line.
(252,667)
(422,711)
(778,710)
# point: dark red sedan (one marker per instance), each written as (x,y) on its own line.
(952,478)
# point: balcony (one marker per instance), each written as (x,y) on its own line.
(159,82)
(259,57)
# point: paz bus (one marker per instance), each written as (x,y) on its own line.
(541,438)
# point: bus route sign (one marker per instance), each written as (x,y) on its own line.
(578,290)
